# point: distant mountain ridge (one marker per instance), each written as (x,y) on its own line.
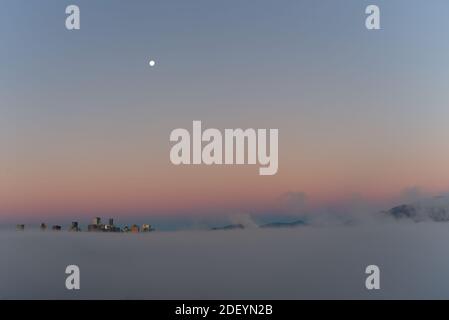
(429,209)
(292,224)
(230,227)
(434,209)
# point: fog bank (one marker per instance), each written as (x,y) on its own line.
(297,263)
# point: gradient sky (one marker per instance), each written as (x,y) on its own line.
(85,122)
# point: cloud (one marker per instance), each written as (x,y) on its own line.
(244,219)
(293,202)
(412,194)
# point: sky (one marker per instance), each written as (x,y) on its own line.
(85,122)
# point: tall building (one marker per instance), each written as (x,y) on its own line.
(74,227)
(98,226)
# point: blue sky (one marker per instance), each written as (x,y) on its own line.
(85,122)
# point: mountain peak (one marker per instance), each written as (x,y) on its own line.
(434,209)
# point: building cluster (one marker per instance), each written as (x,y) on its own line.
(96,226)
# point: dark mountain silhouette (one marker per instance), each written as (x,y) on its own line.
(296,223)
(229,227)
(292,224)
(434,209)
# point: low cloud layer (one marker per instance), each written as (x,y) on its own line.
(310,262)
